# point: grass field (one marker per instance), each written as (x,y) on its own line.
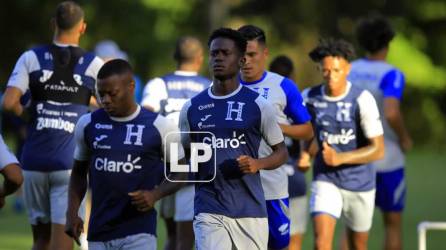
(426,200)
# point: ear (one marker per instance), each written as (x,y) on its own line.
(266,52)
(83,27)
(242,62)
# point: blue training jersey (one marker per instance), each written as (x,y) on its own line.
(240,121)
(61,80)
(125,155)
(345,123)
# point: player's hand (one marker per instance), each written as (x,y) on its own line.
(143,200)
(406,143)
(74,227)
(248,165)
(331,157)
(303,163)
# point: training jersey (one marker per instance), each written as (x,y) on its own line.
(125,155)
(6,156)
(287,101)
(383,81)
(168,94)
(345,122)
(239,121)
(61,80)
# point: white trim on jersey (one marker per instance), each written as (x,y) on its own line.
(6,156)
(368,110)
(224,96)
(154,92)
(336,98)
(184,123)
(271,132)
(81,152)
(165,126)
(127,118)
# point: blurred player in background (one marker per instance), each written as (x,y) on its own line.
(386,83)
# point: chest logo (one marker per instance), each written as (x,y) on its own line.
(343,112)
(133,134)
(238,111)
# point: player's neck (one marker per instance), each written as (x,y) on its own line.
(66,39)
(334,91)
(380,55)
(188,67)
(224,87)
(130,110)
(255,78)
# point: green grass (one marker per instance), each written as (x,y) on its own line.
(426,172)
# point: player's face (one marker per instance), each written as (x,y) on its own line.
(116,94)
(335,71)
(224,58)
(255,56)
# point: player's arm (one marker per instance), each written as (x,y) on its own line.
(308,150)
(144,200)
(372,127)
(13,178)
(154,92)
(392,87)
(273,136)
(11,101)
(78,181)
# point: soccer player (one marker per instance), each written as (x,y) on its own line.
(61,78)
(230,211)
(386,83)
(283,94)
(121,148)
(297,186)
(349,136)
(10,169)
(167,95)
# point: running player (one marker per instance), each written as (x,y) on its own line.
(10,169)
(61,78)
(386,83)
(297,186)
(349,135)
(230,211)
(167,95)
(283,94)
(121,149)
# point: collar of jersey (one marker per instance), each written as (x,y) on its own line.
(224,96)
(64,44)
(254,82)
(127,118)
(336,98)
(185,73)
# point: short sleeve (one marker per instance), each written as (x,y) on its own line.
(271,132)
(94,67)
(369,115)
(81,151)
(392,84)
(154,92)
(295,106)
(26,64)
(6,156)
(170,135)
(184,124)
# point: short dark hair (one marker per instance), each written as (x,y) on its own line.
(253,33)
(187,49)
(332,47)
(282,65)
(234,35)
(374,33)
(115,67)
(68,14)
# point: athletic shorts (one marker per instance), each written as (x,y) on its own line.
(356,207)
(184,204)
(219,232)
(46,196)
(278,223)
(167,207)
(141,241)
(298,215)
(391,190)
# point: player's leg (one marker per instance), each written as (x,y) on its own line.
(390,198)
(298,221)
(248,233)
(211,233)
(278,223)
(141,241)
(358,213)
(325,207)
(167,210)
(184,215)
(36,196)
(59,181)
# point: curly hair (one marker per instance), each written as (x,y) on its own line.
(332,47)
(374,33)
(231,34)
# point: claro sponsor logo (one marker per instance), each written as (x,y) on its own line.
(343,138)
(233,142)
(107,165)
